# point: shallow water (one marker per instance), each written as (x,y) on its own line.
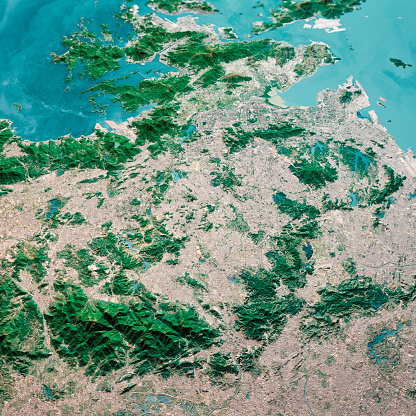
(378,31)
(177,175)
(29,31)
(354,201)
(384,334)
(358,155)
(55,205)
(48,392)
(319,146)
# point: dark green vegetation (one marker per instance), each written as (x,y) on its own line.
(197,56)
(394,181)
(205,223)
(98,195)
(328,205)
(94,334)
(56,219)
(154,38)
(248,358)
(158,131)
(191,282)
(162,179)
(5,191)
(6,134)
(98,58)
(21,327)
(29,258)
(121,285)
(356,295)
(277,134)
(399,63)
(176,6)
(349,265)
(313,57)
(282,54)
(234,80)
(279,51)
(314,173)
(220,364)
(153,238)
(226,178)
(102,58)
(92,180)
(80,260)
(286,261)
(135,201)
(238,223)
(257,237)
(145,331)
(357,161)
(347,96)
(147,91)
(291,11)
(263,313)
(227,34)
(109,152)
(293,208)
(150,240)
(212,76)
(378,215)
(237,140)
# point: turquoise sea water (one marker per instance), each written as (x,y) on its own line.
(29,31)
(378,31)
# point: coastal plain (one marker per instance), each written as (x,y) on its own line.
(219,253)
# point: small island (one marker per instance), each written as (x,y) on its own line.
(292,11)
(180,6)
(399,63)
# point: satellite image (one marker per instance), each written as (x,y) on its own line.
(207,208)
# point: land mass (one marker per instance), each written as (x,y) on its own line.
(289,12)
(399,63)
(180,6)
(215,253)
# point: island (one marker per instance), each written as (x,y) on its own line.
(173,7)
(289,12)
(399,63)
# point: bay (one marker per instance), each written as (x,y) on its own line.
(29,31)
